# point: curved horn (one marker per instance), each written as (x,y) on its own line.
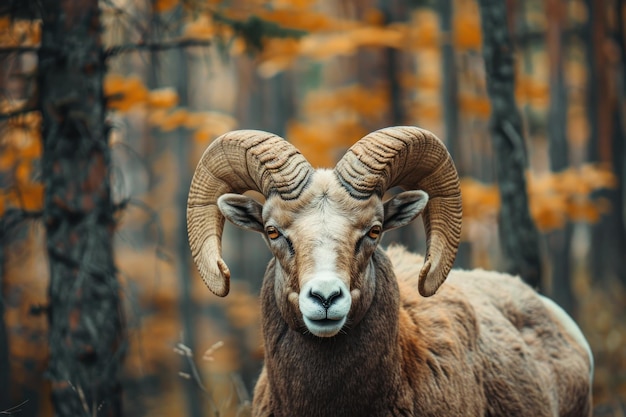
(412,158)
(237,161)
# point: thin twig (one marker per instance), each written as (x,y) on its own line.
(5,50)
(184,351)
(14,217)
(156,46)
(14,409)
(18,112)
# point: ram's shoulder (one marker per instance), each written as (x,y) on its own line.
(406,265)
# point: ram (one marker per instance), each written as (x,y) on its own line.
(351,329)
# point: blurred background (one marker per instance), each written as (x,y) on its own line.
(174,74)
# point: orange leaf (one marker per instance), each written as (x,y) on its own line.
(423,29)
(475,105)
(467,37)
(202,136)
(422,111)
(466,29)
(393,37)
(163,98)
(420,82)
(164,5)
(327,46)
(305,20)
(124,93)
(173,120)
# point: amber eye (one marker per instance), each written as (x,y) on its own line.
(272,232)
(374,232)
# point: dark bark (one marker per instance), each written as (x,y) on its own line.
(598,98)
(449,88)
(4,242)
(559,241)
(449,100)
(619,148)
(608,241)
(5,370)
(616,227)
(518,234)
(85,317)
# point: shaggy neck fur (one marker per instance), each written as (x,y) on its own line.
(354,374)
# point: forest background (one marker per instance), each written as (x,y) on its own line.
(106,107)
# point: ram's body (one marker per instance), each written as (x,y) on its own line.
(485,345)
(351,330)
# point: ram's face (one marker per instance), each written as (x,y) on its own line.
(323,243)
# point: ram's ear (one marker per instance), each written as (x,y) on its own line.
(242,211)
(403,208)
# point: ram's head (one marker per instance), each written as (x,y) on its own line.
(323,226)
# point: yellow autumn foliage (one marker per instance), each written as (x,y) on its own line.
(466,30)
(206,125)
(161,6)
(300,19)
(476,105)
(328,39)
(420,82)
(18,32)
(163,98)
(298,4)
(567,194)
(173,120)
(323,141)
(203,26)
(20,150)
(554,198)
(422,111)
(325,46)
(392,36)
(123,93)
(577,124)
(369,103)
(279,47)
(480,201)
(532,91)
(423,30)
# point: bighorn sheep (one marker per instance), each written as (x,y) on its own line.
(353,330)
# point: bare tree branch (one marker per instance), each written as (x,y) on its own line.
(156,46)
(6,50)
(18,112)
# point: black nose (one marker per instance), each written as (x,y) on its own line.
(325,300)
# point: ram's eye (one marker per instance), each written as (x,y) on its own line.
(374,232)
(272,232)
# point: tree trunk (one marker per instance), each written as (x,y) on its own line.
(559,241)
(5,370)
(518,234)
(449,100)
(606,146)
(84,313)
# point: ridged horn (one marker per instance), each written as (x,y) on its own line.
(412,158)
(236,162)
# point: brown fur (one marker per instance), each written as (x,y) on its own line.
(484,345)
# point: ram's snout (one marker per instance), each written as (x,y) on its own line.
(324,303)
